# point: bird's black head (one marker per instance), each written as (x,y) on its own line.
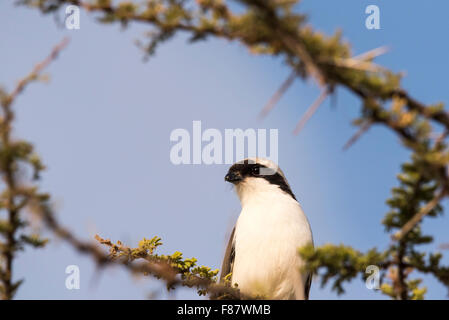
(260,169)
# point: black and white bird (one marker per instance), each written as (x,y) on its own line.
(262,253)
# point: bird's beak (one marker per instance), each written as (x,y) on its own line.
(233,177)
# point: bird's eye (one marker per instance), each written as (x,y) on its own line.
(255,171)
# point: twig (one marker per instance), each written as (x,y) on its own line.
(310,111)
(277,95)
(417,217)
(21,85)
(371,54)
(357,64)
(297,47)
(363,128)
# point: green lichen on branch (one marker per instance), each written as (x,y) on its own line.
(20,198)
(17,158)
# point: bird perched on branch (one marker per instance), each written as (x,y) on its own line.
(262,254)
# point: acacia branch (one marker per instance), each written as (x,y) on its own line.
(159,268)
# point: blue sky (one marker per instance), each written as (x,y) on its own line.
(102,126)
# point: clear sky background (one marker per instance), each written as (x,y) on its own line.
(102,126)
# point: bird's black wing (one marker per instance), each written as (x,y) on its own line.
(228,260)
(307,286)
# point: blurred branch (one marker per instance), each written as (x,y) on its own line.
(278,94)
(34,74)
(310,111)
(363,128)
(16,195)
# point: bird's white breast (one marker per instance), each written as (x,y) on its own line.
(270,229)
